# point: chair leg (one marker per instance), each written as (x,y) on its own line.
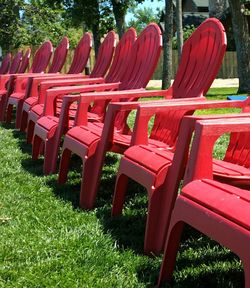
(246,267)
(36,147)
(119,194)
(24,119)
(30,131)
(9,113)
(2,107)
(50,157)
(170,252)
(19,109)
(89,184)
(64,166)
(154,239)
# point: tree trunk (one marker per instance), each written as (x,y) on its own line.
(167,45)
(216,8)
(242,40)
(179,27)
(119,11)
(96,28)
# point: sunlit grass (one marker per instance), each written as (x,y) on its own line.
(47,241)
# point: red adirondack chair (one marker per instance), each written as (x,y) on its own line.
(7,83)
(39,65)
(101,66)
(142,62)
(4,68)
(23,83)
(218,210)
(194,77)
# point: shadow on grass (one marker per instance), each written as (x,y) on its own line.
(201,262)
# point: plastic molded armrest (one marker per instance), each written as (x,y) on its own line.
(52,94)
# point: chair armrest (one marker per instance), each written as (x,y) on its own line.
(52,94)
(64,115)
(4,78)
(206,133)
(48,84)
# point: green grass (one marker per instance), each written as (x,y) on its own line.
(47,241)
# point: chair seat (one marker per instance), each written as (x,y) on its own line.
(151,158)
(31,101)
(38,109)
(17,95)
(230,170)
(222,199)
(3,91)
(86,134)
(48,122)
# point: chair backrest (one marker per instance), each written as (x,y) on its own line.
(104,57)
(201,58)
(238,151)
(144,58)
(25,61)
(60,55)
(5,64)
(141,65)
(16,62)
(118,66)
(81,54)
(121,56)
(41,58)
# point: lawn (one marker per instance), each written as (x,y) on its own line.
(47,241)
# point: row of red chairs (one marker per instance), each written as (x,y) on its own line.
(95,123)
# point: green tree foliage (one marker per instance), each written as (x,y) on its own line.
(25,23)
(94,15)
(10,23)
(142,17)
(42,21)
(120,8)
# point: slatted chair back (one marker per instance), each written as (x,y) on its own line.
(142,63)
(5,64)
(238,151)
(118,66)
(16,62)
(121,56)
(201,58)
(41,58)
(144,58)
(60,55)
(81,54)
(104,57)
(25,61)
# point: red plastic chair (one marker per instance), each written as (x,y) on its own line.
(218,210)
(4,68)
(101,66)
(7,83)
(195,74)
(40,62)
(141,64)
(23,83)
